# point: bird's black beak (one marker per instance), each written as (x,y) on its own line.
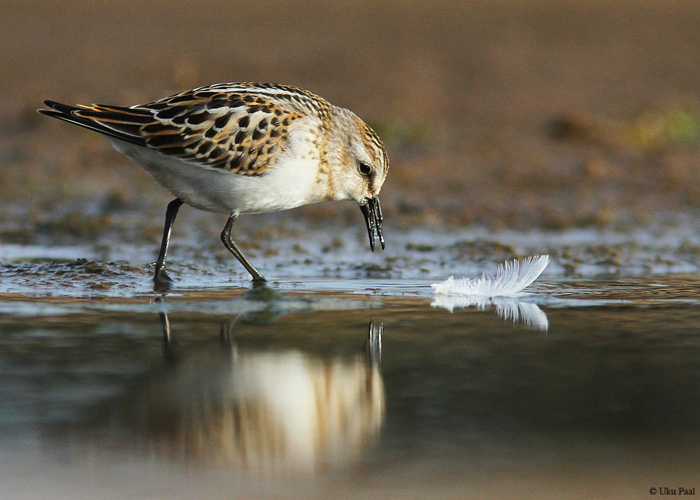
(372,211)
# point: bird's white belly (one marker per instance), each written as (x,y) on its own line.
(292,183)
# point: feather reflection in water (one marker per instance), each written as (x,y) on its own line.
(510,309)
(500,291)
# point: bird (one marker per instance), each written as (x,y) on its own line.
(244,148)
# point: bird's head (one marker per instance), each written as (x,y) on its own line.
(364,168)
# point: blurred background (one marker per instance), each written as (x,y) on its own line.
(496,113)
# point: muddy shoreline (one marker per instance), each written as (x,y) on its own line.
(501,114)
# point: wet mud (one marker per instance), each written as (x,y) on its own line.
(502,114)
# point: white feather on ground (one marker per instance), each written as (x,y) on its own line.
(501,291)
(511,279)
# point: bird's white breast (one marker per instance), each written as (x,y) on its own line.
(291,183)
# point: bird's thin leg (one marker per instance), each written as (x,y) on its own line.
(231,246)
(161,276)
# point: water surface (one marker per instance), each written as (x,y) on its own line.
(352,389)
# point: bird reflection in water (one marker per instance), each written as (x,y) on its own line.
(259,409)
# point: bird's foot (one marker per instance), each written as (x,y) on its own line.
(162,282)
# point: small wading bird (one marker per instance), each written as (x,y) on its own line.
(244,148)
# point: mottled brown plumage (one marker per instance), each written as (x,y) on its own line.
(245,148)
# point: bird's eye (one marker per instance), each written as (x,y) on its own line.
(364,169)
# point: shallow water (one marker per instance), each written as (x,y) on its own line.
(340,388)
